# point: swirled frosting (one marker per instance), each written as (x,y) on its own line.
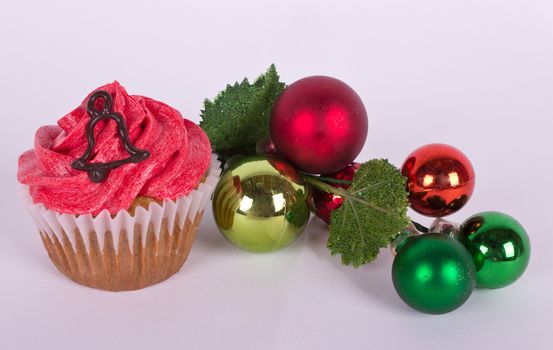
(180,154)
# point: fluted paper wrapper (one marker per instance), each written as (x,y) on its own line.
(124,252)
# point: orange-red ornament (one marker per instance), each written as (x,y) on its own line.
(440,179)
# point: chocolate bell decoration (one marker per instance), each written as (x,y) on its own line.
(97,172)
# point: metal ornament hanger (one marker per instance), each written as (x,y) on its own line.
(97,172)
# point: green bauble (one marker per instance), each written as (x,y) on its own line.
(433,273)
(499,246)
(260,204)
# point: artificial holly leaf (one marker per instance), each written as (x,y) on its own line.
(239,116)
(373,212)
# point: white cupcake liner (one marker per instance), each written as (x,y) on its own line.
(56,224)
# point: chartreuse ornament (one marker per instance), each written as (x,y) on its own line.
(260,204)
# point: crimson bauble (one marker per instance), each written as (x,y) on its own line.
(325,203)
(440,179)
(319,124)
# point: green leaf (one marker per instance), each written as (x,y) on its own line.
(239,116)
(374,211)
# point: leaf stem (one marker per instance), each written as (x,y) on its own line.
(314,181)
(323,186)
(328,179)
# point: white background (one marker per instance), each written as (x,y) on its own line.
(476,74)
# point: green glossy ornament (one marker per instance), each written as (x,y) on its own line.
(260,204)
(499,246)
(433,273)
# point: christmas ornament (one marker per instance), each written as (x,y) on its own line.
(260,204)
(324,203)
(319,124)
(499,246)
(433,273)
(440,179)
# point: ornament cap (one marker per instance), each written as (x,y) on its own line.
(445,227)
(402,238)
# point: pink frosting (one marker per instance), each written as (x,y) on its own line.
(180,154)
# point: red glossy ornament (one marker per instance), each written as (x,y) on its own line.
(325,203)
(440,179)
(319,124)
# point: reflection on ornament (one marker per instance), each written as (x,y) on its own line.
(440,179)
(260,204)
(325,203)
(499,246)
(265,146)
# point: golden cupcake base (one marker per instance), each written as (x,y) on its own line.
(133,265)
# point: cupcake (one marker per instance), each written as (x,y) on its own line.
(117,189)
